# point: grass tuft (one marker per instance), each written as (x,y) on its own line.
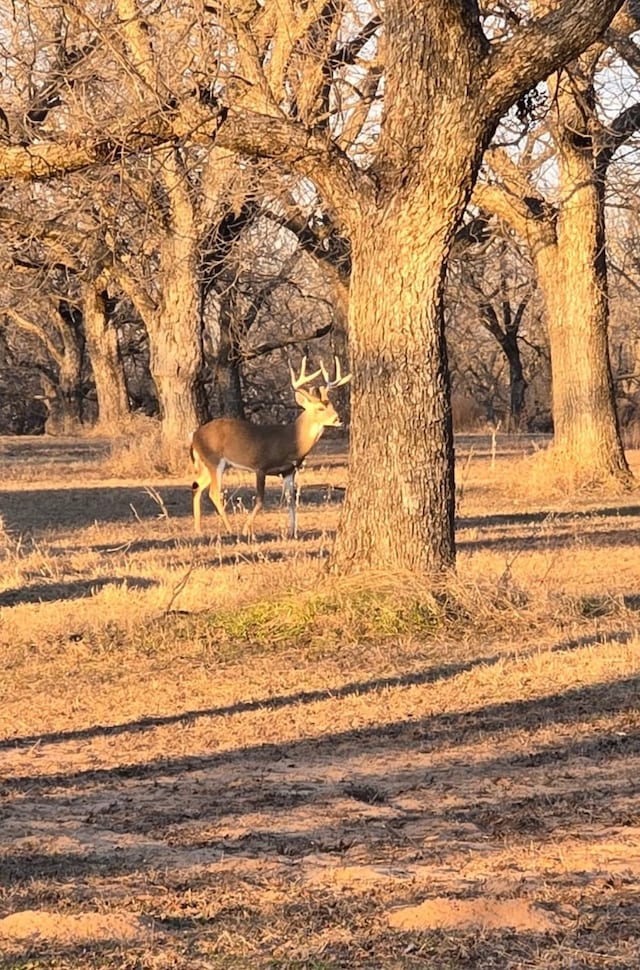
(358,610)
(144,447)
(549,474)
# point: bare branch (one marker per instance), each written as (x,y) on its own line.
(28,326)
(541,46)
(271,345)
(626,47)
(615,135)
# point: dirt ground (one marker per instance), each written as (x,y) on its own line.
(174,794)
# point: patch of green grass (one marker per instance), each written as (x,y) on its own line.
(353,616)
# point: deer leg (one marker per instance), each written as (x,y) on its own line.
(198,488)
(289,487)
(202,481)
(215,492)
(259,503)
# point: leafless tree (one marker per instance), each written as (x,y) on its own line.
(490,286)
(565,231)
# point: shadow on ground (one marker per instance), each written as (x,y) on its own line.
(32,510)
(76,589)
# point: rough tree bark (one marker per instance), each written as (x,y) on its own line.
(104,353)
(399,509)
(400,411)
(174,331)
(172,316)
(586,433)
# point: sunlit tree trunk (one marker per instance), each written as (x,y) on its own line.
(400,407)
(586,433)
(174,340)
(573,277)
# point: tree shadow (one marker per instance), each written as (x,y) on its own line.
(428,734)
(428,675)
(75,589)
(39,509)
(551,515)
(35,509)
(328,801)
(272,703)
(541,524)
(596,539)
(47,449)
(602,795)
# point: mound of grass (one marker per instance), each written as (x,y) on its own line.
(347,612)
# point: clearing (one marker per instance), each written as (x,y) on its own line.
(212,757)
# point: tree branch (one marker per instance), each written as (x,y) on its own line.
(615,134)
(28,326)
(47,160)
(306,152)
(270,346)
(543,45)
(515,211)
(141,300)
(626,48)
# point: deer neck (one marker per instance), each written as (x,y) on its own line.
(308,432)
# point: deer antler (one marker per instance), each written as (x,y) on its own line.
(338,380)
(304,378)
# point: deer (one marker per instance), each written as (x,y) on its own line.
(269,449)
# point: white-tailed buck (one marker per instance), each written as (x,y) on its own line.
(270,449)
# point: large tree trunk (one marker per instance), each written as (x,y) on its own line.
(175,341)
(106,363)
(400,405)
(573,277)
(174,365)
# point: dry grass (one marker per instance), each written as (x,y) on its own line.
(212,756)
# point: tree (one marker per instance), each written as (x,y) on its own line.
(104,353)
(492,284)
(566,237)
(56,327)
(446,87)
(142,221)
(254,277)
